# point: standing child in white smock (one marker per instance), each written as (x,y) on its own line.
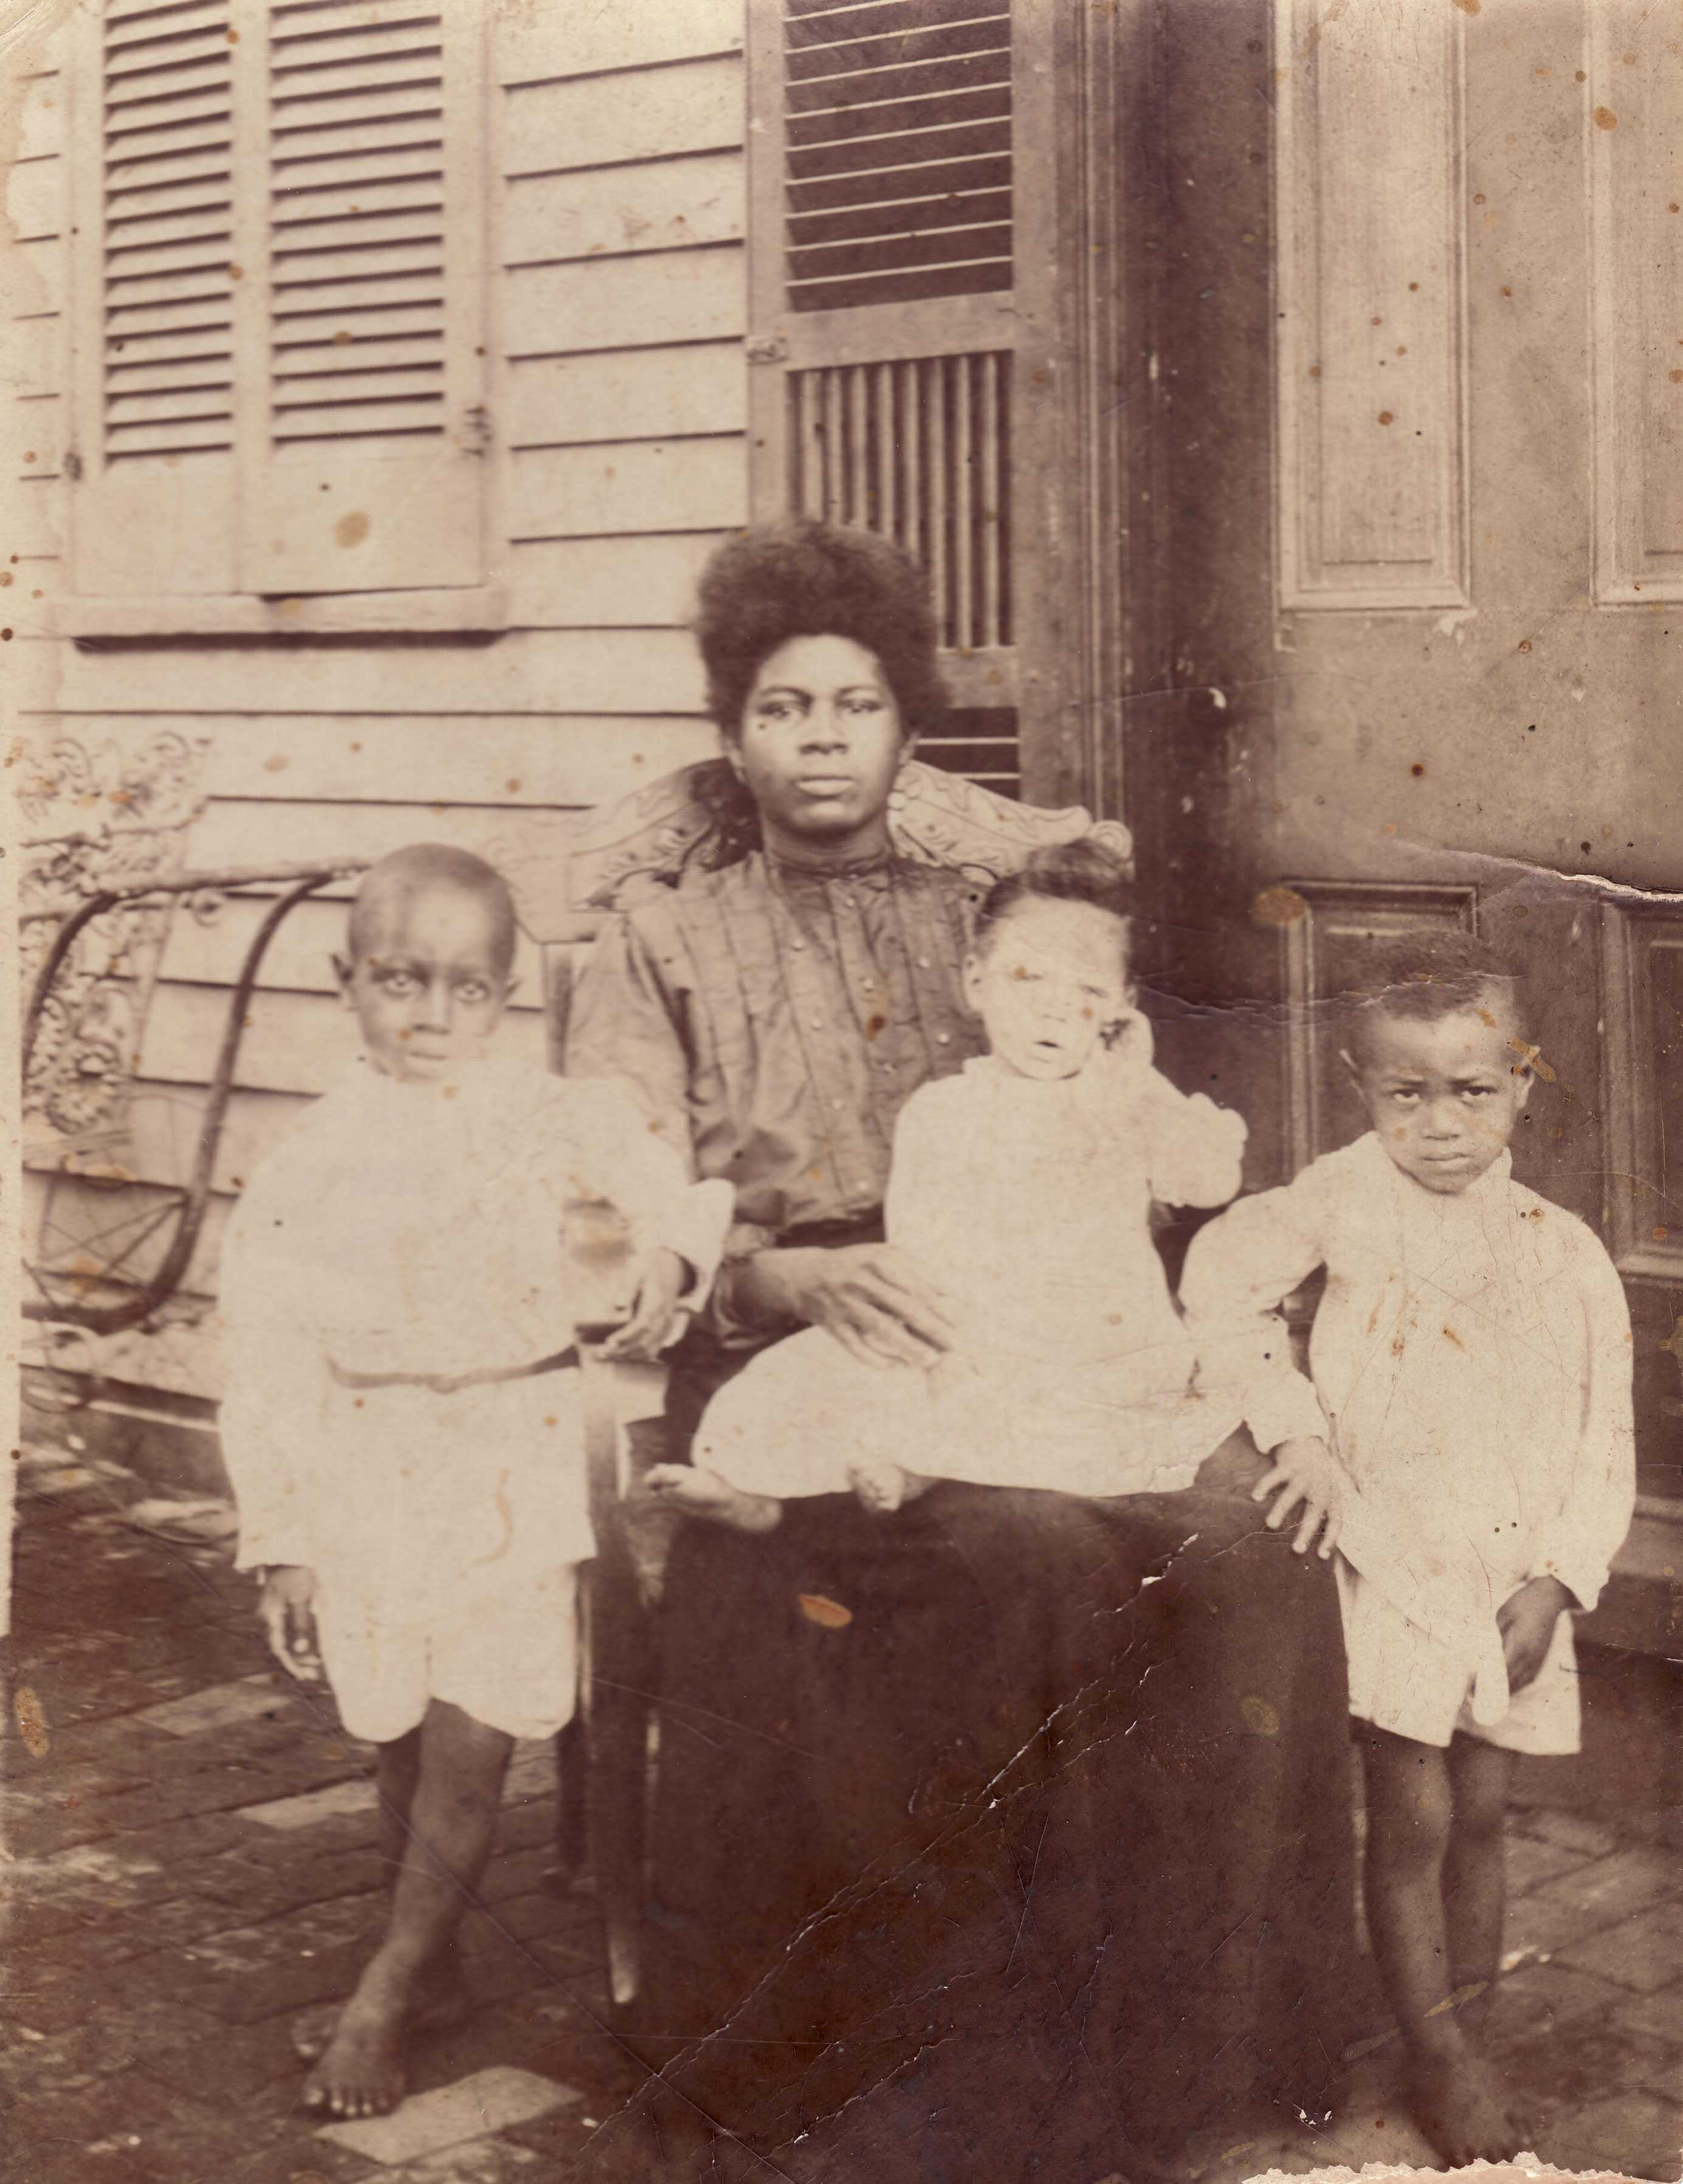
(1023,1187)
(402,1424)
(1471,1361)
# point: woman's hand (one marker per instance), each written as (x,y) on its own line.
(877,1302)
(286,1608)
(1527,1623)
(1306,1471)
(656,1311)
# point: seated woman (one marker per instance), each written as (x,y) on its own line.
(1008,1832)
(1024,1187)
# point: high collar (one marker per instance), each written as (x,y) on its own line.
(879,866)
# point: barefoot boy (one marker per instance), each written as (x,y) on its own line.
(1471,1358)
(402,1423)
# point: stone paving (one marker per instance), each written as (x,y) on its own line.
(190,1862)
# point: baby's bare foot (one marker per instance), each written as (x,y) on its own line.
(878,1485)
(364,2071)
(1461,2106)
(702,1493)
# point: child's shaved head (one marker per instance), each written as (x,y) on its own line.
(1426,975)
(426,868)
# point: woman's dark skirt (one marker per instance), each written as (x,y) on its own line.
(1007,1836)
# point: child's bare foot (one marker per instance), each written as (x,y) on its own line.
(702,1493)
(364,2070)
(442,2003)
(882,1485)
(1460,2104)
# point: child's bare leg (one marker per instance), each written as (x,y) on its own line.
(704,1493)
(1410,1822)
(451,1824)
(882,1484)
(1474,1879)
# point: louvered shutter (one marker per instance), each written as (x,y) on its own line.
(883,303)
(278,370)
(371,472)
(156,511)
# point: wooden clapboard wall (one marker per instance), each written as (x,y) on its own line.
(614,146)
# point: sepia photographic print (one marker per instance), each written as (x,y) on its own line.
(847,1192)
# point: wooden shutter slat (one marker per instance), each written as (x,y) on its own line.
(311,16)
(127,175)
(296,272)
(863,155)
(900,85)
(363,353)
(129,247)
(188,283)
(129,210)
(809,56)
(160,95)
(937,179)
(402,69)
(826,23)
(123,377)
(137,324)
(899,217)
(337,199)
(420,95)
(418,223)
(300,180)
(945,246)
(207,400)
(213,133)
(141,120)
(819,123)
(186,18)
(357,385)
(967,278)
(189,56)
(154,11)
(334,56)
(208,436)
(132,274)
(370,417)
(318,319)
(293,149)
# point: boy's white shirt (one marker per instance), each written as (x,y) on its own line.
(1481,1336)
(419,1228)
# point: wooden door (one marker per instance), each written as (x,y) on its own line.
(1421,325)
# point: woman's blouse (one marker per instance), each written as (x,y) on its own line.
(775,1020)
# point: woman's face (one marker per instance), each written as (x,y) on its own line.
(819,747)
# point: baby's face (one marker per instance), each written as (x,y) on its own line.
(427,986)
(1443,1095)
(1046,981)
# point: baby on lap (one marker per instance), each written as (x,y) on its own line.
(1025,1185)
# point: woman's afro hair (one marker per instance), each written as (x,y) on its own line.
(806,579)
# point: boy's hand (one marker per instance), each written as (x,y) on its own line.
(288,1618)
(1306,1471)
(656,1311)
(1527,1623)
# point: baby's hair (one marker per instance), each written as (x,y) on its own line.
(1073,871)
(1426,974)
(422,868)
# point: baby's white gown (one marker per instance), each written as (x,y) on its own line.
(1028,1203)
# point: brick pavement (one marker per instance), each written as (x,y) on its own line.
(192,1862)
